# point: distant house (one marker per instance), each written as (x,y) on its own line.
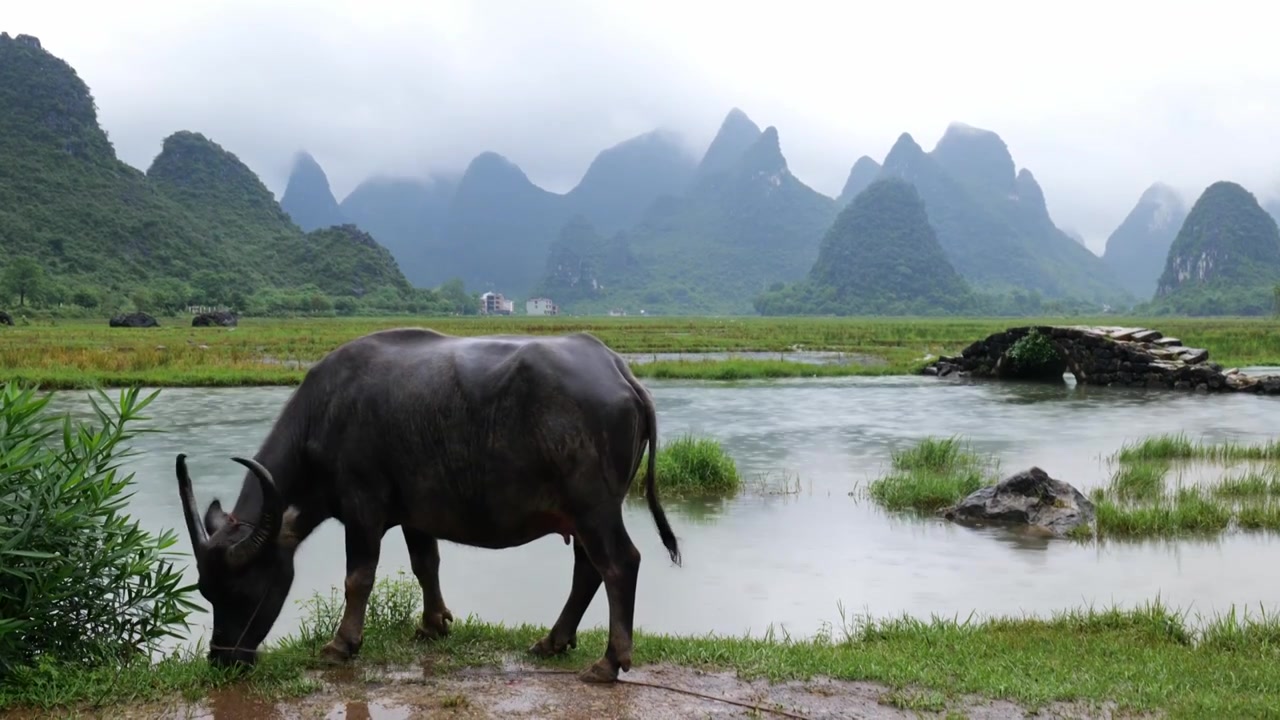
(617,313)
(541,306)
(492,303)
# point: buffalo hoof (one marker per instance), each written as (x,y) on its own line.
(434,627)
(602,672)
(548,647)
(336,652)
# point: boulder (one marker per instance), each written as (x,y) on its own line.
(1030,498)
(5,318)
(217,318)
(134,320)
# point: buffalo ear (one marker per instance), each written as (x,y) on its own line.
(214,517)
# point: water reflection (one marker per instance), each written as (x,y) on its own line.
(791,560)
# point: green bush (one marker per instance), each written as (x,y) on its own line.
(932,474)
(80,581)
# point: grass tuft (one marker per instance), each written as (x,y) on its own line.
(691,466)
(1177,446)
(1143,480)
(932,474)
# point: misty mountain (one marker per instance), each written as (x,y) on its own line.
(993,223)
(863,173)
(1273,208)
(498,229)
(1137,249)
(736,135)
(493,227)
(880,257)
(624,180)
(93,222)
(1075,235)
(407,216)
(745,223)
(307,198)
(1225,259)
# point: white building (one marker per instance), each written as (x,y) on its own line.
(541,306)
(492,303)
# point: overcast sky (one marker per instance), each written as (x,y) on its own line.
(1098,99)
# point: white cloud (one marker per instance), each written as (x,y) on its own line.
(1098,99)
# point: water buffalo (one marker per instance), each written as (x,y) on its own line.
(485,441)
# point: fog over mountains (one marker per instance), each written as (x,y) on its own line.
(375,89)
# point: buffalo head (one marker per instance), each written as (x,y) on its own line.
(245,574)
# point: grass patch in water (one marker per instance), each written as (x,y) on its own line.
(691,466)
(1143,480)
(1137,504)
(1188,511)
(1178,446)
(1249,485)
(932,474)
(1149,659)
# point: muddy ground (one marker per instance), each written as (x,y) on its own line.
(523,692)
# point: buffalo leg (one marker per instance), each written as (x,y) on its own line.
(363,548)
(618,561)
(424,558)
(564,634)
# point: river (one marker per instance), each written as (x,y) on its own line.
(791,561)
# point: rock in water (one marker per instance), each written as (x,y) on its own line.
(1030,497)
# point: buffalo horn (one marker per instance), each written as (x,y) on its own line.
(268,522)
(190,511)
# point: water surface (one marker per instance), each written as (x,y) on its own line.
(791,561)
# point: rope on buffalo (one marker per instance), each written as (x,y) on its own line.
(670,688)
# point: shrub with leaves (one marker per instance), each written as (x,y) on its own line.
(80,581)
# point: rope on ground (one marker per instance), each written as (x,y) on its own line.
(670,688)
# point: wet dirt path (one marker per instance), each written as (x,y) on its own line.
(519,692)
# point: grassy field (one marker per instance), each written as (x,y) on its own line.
(1145,659)
(65,354)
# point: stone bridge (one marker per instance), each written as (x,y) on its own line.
(1111,356)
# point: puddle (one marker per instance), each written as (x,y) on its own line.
(658,692)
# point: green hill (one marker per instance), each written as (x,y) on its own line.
(199,227)
(880,257)
(583,266)
(1225,260)
(993,223)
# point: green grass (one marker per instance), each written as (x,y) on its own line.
(65,354)
(1138,503)
(1143,480)
(1178,446)
(1189,511)
(1146,659)
(932,474)
(691,466)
